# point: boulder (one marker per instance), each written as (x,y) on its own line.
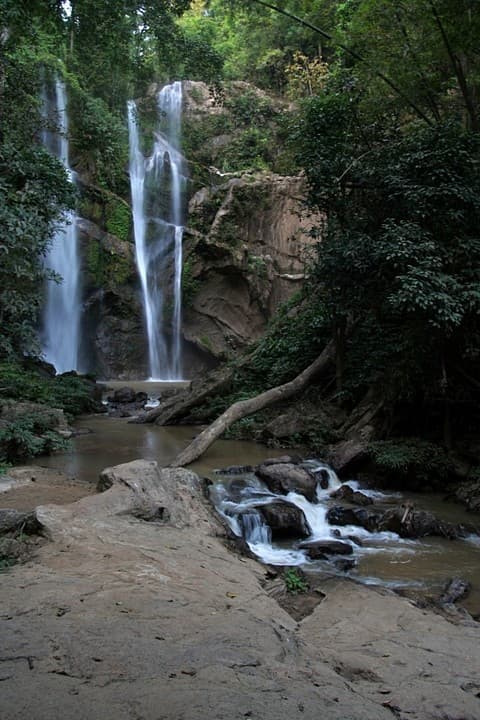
(125,402)
(123,395)
(285,520)
(345,492)
(320,549)
(340,515)
(404,520)
(282,478)
(323,478)
(347,453)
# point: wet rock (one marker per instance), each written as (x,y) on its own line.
(321,549)
(235,470)
(323,478)
(344,564)
(123,395)
(345,492)
(282,478)
(285,520)
(404,520)
(282,460)
(454,590)
(125,402)
(340,515)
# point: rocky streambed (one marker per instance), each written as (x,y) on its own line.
(291,512)
(137,608)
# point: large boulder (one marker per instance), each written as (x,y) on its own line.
(345,492)
(285,520)
(282,478)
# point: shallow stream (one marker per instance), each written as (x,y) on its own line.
(424,564)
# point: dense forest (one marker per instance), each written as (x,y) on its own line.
(381,113)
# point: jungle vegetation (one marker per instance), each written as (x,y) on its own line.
(383,120)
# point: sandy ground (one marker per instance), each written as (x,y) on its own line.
(118,618)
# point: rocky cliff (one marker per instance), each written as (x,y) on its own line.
(246,247)
(245,244)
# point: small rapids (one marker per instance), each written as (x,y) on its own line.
(238,500)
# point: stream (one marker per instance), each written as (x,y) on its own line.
(383,559)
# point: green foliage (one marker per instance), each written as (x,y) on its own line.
(99,141)
(249,150)
(294,582)
(107,269)
(28,437)
(33,189)
(243,429)
(190,285)
(295,337)
(70,393)
(118,220)
(411,459)
(403,212)
(256,43)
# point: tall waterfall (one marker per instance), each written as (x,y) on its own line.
(156,187)
(60,334)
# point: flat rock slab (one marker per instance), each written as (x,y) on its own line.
(122,619)
(26,487)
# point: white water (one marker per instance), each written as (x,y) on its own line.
(158,230)
(60,336)
(237,500)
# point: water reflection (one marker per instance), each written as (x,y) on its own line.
(114,441)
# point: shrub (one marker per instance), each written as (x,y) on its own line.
(411,459)
(294,582)
(29,436)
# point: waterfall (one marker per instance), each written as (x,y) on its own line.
(156,186)
(238,501)
(60,335)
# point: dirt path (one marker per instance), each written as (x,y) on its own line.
(119,618)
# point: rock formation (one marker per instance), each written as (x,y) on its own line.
(121,617)
(245,244)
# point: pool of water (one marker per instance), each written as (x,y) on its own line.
(425,564)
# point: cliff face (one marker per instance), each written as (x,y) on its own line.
(245,243)
(245,254)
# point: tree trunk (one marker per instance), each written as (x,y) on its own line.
(174,409)
(242,408)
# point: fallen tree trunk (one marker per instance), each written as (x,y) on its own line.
(242,408)
(174,409)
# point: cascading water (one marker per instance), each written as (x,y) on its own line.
(60,335)
(238,502)
(157,189)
